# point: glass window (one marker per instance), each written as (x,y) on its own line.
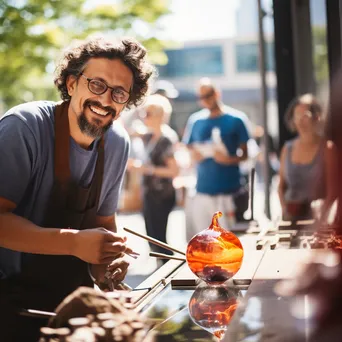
(196,61)
(247,57)
(319,46)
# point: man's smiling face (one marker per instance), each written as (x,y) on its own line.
(95,113)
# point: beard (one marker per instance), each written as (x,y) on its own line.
(94,129)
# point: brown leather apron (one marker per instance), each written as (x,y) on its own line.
(45,280)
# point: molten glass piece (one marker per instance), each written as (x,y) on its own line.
(212,308)
(215,254)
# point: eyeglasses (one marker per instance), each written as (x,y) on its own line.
(98,87)
(206,96)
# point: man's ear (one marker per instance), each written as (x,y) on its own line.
(71,83)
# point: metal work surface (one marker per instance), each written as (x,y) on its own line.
(261,315)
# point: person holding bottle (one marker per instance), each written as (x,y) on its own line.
(217,168)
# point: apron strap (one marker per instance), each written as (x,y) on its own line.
(62,143)
(98,173)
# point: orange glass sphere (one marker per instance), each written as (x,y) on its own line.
(215,254)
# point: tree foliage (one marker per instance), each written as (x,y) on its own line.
(320,53)
(33,33)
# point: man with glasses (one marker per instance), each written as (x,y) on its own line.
(214,136)
(61,173)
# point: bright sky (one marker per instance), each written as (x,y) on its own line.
(200,19)
(195,19)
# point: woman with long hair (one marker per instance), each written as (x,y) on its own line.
(320,280)
(299,158)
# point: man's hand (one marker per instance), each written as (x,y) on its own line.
(98,245)
(196,156)
(118,269)
(222,158)
(113,273)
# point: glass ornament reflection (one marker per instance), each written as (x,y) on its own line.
(212,307)
(215,254)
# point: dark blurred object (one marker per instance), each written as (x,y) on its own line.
(297,211)
(320,282)
(259,136)
(82,302)
(165,88)
(241,200)
(90,315)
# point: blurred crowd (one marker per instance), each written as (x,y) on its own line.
(203,169)
(206,167)
(209,167)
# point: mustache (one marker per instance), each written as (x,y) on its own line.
(108,109)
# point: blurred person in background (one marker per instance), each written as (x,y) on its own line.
(132,121)
(217,138)
(157,166)
(300,157)
(165,88)
(319,281)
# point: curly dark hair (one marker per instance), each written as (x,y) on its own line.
(128,50)
(310,100)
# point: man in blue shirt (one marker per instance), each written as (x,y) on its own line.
(217,140)
(62,166)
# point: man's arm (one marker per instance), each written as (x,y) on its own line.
(93,245)
(108,222)
(243,137)
(222,158)
(19,234)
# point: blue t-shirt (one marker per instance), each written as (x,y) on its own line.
(214,178)
(27,166)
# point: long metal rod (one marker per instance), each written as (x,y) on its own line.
(36,313)
(154,241)
(251,192)
(166,256)
(262,68)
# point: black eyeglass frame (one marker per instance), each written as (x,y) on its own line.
(106,88)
